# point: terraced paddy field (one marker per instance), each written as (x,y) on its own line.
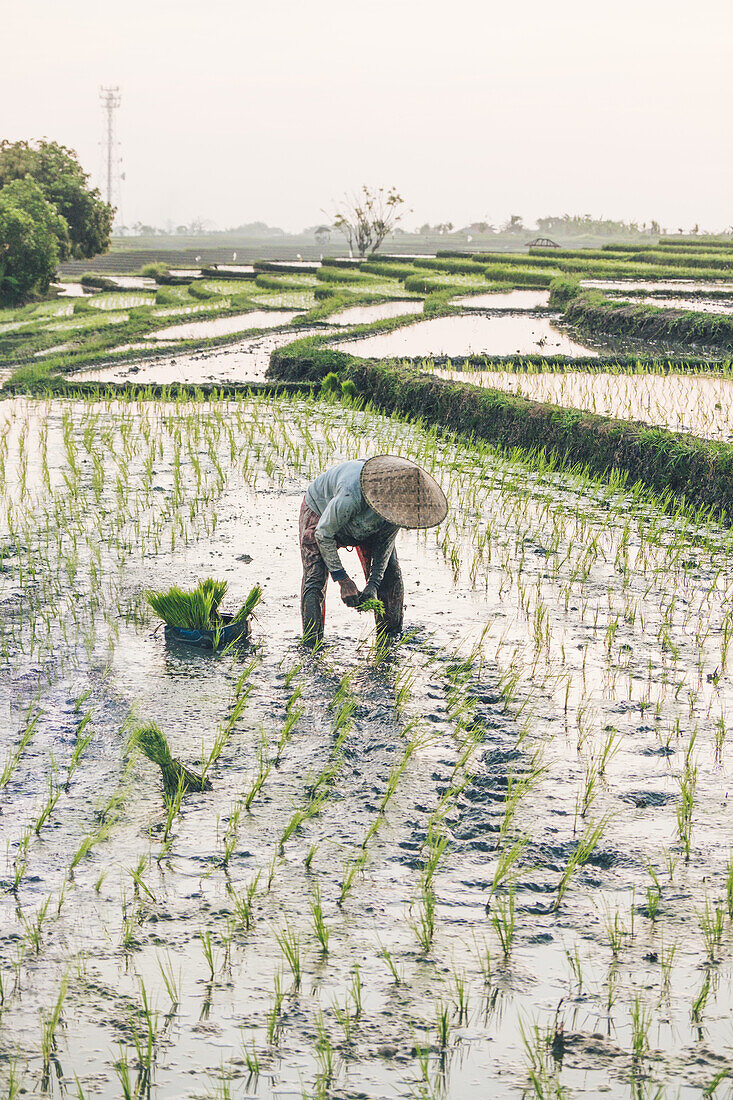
(492,857)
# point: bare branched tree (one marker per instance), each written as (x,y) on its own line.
(366,218)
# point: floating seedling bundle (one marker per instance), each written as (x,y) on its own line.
(194,617)
(177,778)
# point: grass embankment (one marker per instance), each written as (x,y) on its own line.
(593,312)
(686,468)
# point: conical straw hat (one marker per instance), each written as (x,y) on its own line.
(402,493)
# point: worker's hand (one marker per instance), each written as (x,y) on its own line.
(369,593)
(349,592)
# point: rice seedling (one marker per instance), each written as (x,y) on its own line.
(504,922)
(289,945)
(541,1068)
(81,743)
(506,865)
(14,756)
(319,925)
(653,900)
(145,1043)
(423,924)
(344,1020)
(325,1058)
(33,929)
(139,884)
(641,1018)
(700,1001)
(397,974)
(293,713)
(685,807)
(251,1058)
(711,925)
(171,981)
(209,951)
(264,766)
(580,855)
(273,1017)
(460,996)
(50,1021)
(616,931)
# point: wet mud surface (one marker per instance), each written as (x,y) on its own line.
(564,677)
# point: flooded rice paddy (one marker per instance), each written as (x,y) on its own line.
(133,282)
(493,854)
(471,334)
(244,361)
(702,405)
(220,326)
(69,290)
(695,305)
(688,286)
(365,315)
(510,299)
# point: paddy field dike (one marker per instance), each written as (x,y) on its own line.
(493,856)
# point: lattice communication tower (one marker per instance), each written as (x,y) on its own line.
(110,99)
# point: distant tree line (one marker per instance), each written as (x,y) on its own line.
(48,212)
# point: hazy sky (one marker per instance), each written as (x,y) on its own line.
(235,111)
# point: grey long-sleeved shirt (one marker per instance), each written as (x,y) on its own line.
(337,498)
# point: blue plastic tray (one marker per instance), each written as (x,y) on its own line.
(204,639)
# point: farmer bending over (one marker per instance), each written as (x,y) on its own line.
(362,504)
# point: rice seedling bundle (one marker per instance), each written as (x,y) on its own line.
(198,609)
(152,742)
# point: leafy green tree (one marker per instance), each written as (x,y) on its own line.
(64,183)
(31,231)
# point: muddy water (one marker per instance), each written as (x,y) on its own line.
(70,290)
(511,299)
(133,282)
(245,361)
(220,326)
(364,315)
(603,619)
(687,285)
(695,305)
(234,267)
(679,402)
(286,265)
(471,335)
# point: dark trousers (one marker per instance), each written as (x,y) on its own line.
(391,591)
